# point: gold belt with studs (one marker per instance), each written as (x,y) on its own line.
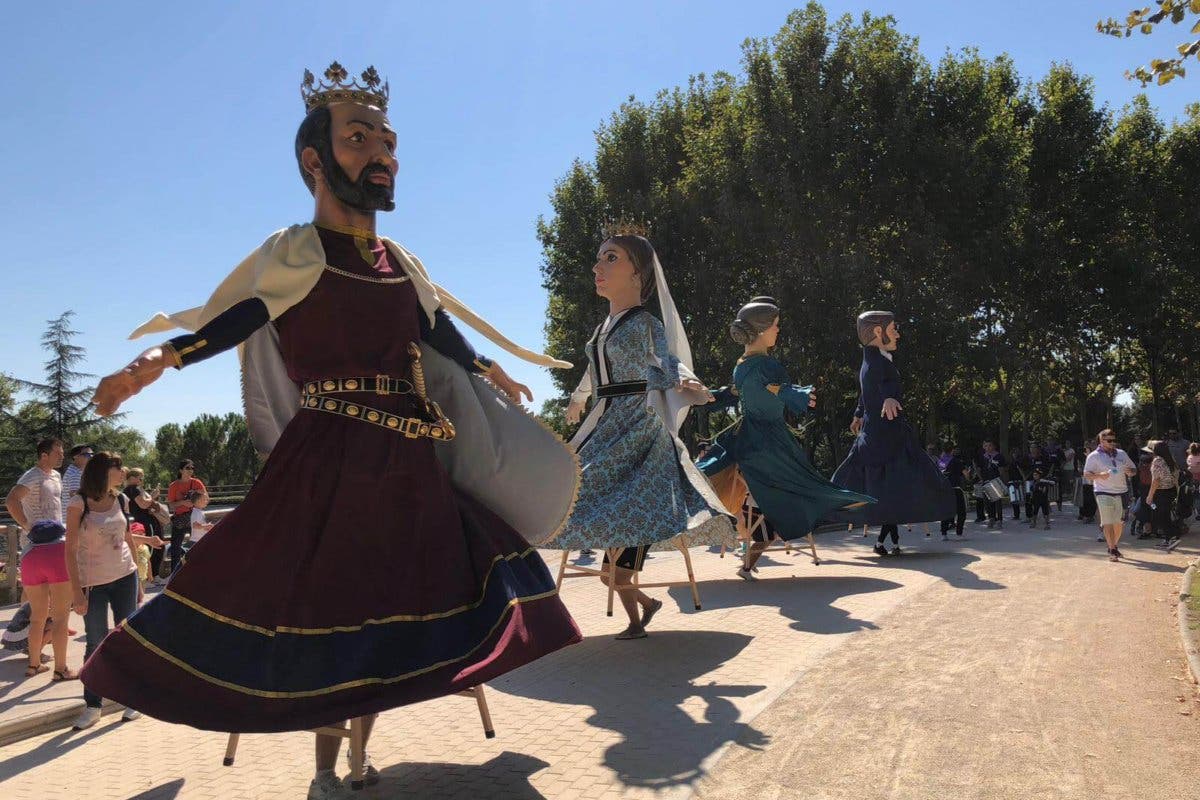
(380,385)
(316,398)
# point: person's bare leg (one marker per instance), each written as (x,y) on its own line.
(753,554)
(1109,536)
(1118,529)
(327,748)
(39,611)
(60,614)
(631,598)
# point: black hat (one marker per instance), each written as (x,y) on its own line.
(79,448)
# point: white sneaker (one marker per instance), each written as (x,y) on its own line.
(327,786)
(130,715)
(746,574)
(370,774)
(87,718)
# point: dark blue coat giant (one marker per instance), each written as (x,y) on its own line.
(886,461)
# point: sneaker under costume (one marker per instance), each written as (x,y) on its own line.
(383,555)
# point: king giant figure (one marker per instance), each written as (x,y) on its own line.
(383,556)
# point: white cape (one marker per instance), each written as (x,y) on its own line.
(502,456)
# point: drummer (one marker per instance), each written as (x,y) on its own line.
(1040,467)
(990,465)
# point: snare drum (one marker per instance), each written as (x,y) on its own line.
(995,490)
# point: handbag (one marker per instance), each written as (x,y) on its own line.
(159,512)
(1140,510)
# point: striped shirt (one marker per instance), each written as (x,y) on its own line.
(70,484)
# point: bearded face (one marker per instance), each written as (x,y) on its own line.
(355,156)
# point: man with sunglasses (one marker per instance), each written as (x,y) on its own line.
(79,454)
(1109,468)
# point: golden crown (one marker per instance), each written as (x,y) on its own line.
(625,226)
(336,88)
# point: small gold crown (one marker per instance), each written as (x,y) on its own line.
(336,89)
(625,226)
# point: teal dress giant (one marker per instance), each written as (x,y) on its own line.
(639,485)
(786,487)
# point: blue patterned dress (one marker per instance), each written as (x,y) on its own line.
(639,486)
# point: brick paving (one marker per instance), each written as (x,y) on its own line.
(602,719)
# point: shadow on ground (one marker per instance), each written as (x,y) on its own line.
(808,601)
(505,777)
(164,791)
(641,695)
(54,747)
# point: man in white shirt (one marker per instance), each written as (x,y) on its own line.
(1109,469)
(37,494)
(79,456)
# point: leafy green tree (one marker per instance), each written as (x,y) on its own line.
(219,445)
(67,406)
(840,172)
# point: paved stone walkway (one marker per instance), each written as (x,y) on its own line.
(819,649)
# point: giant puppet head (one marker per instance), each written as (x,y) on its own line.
(878,329)
(345,144)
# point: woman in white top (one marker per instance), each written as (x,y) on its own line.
(100,560)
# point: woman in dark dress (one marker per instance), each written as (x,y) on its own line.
(886,461)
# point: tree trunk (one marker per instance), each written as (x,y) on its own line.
(1083,419)
(931,422)
(1154,386)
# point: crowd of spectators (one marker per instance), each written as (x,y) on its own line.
(91,541)
(1149,485)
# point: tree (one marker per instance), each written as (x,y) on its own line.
(840,172)
(1160,70)
(220,446)
(67,408)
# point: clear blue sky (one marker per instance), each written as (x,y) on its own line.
(147,146)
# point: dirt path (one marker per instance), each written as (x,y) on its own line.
(1066,681)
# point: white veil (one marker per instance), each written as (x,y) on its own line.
(675,403)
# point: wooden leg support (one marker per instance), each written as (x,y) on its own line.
(231,749)
(812,544)
(687,560)
(562,569)
(356,754)
(485,716)
(613,554)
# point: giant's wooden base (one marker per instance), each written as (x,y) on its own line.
(566,570)
(355,735)
(777,544)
